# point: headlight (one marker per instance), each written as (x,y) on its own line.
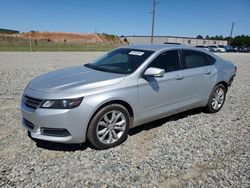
(62,103)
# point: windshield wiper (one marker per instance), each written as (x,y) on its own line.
(89,65)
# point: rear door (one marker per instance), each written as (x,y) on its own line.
(200,75)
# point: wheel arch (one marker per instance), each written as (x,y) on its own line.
(117,101)
(224,83)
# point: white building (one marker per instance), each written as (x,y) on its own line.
(173,39)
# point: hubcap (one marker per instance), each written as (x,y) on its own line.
(111,127)
(218,98)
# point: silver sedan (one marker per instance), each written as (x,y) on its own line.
(129,86)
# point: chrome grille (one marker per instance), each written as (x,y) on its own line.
(32,102)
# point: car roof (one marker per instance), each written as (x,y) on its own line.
(161,47)
(155,47)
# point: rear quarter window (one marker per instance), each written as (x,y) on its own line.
(193,59)
(211,59)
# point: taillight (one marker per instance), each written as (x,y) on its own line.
(235,69)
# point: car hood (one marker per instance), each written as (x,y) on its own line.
(74,79)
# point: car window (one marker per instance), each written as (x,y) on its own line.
(116,58)
(169,61)
(210,59)
(121,61)
(192,59)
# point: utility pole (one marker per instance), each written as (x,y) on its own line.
(30,43)
(231,33)
(153,22)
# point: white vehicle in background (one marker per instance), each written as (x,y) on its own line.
(202,47)
(221,48)
(213,48)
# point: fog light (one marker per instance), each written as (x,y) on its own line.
(54,132)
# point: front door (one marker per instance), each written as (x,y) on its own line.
(159,96)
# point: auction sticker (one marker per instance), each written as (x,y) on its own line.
(136,53)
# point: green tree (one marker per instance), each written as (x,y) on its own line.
(125,40)
(199,37)
(216,37)
(227,38)
(241,40)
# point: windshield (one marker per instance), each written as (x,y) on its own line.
(121,61)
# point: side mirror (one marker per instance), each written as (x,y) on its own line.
(154,72)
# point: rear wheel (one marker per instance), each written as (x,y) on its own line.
(217,99)
(109,126)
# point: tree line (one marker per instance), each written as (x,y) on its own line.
(240,40)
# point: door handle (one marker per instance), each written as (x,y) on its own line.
(179,77)
(208,72)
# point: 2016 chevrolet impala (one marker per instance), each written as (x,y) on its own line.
(129,86)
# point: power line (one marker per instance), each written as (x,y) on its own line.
(197,12)
(168,3)
(99,7)
(202,14)
(183,21)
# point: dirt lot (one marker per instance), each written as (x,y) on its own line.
(191,149)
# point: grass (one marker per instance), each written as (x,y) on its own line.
(59,47)
(8,43)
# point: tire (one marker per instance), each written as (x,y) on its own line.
(216,99)
(109,126)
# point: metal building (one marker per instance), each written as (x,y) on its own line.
(173,39)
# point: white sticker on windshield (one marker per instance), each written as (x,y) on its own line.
(136,53)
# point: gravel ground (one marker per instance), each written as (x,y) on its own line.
(191,149)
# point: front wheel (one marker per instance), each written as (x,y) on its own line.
(109,126)
(217,99)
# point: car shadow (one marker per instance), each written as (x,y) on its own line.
(147,126)
(60,146)
(162,121)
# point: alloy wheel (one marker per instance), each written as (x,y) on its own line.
(218,98)
(111,127)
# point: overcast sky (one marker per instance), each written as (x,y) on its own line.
(128,17)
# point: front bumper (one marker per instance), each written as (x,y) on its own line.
(69,124)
